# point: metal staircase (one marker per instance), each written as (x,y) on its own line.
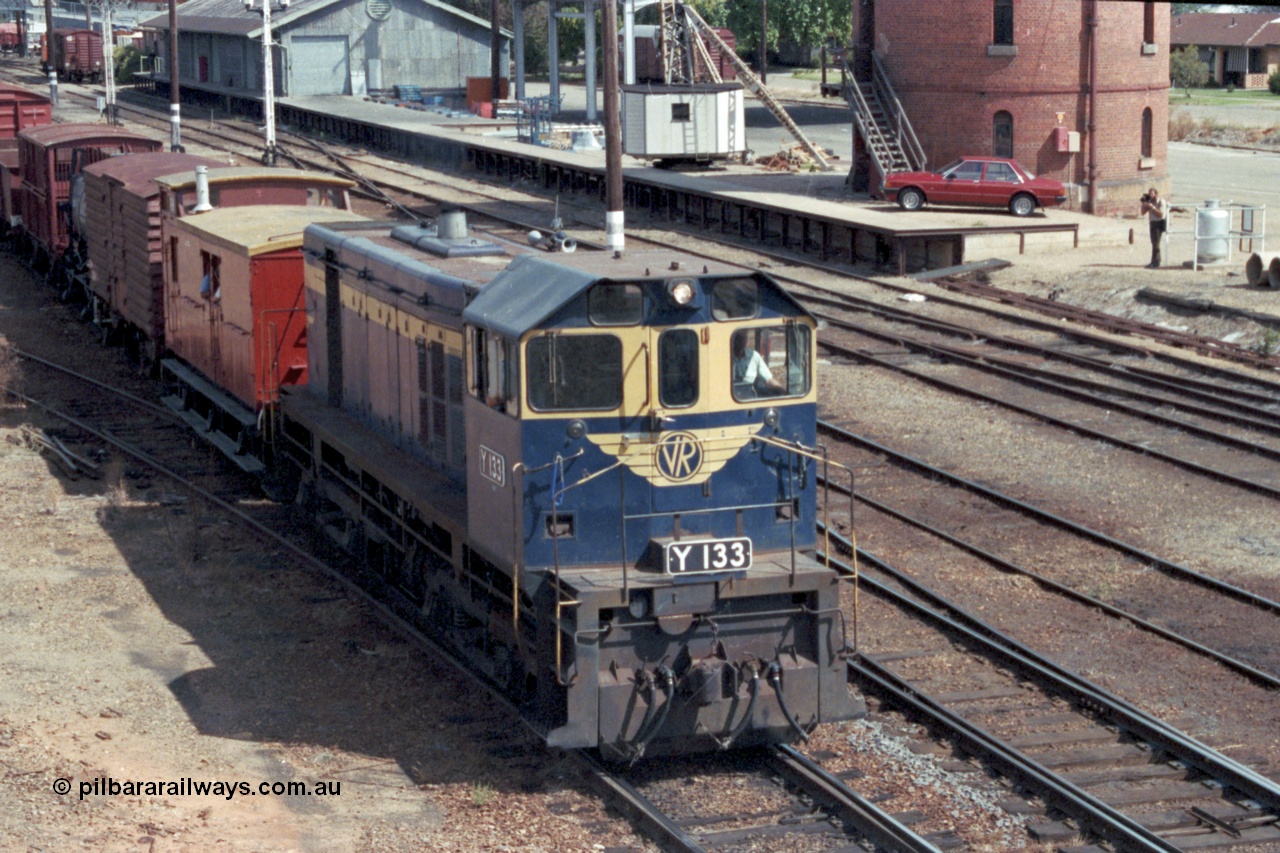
(881,121)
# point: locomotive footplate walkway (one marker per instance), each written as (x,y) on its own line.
(809,213)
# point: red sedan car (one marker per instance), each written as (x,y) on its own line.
(990,181)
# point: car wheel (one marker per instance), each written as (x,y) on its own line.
(910,199)
(1022,205)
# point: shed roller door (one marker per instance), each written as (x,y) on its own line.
(319,65)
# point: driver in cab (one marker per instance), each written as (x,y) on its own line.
(751,376)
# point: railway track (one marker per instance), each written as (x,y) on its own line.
(961,522)
(1103,768)
(777,799)
(1232,435)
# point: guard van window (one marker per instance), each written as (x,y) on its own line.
(613,304)
(735,299)
(574,372)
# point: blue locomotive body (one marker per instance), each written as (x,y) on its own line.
(592,477)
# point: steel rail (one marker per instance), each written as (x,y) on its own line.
(393,619)
(1072,800)
(1050,381)
(878,826)
(1186,464)
(1262,677)
(1090,812)
(1155,562)
(638,807)
(1119,711)
(1185,386)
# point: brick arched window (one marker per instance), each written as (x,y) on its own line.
(1146,132)
(1002,134)
(1002,31)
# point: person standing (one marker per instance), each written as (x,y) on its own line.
(1157,211)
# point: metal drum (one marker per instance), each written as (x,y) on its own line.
(1213,224)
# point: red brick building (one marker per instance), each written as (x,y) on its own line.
(1033,79)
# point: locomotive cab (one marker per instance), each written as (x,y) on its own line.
(641,449)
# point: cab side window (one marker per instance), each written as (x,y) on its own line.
(494,371)
(574,372)
(771,361)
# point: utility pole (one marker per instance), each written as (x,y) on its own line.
(614,237)
(48,52)
(764,41)
(108,60)
(268,79)
(495,54)
(175,100)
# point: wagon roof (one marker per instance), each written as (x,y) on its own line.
(261,228)
(11,91)
(253,174)
(137,172)
(57,134)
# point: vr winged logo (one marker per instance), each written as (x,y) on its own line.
(679,458)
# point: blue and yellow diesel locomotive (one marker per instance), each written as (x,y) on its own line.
(592,477)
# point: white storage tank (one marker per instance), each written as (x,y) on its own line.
(698,122)
(1213,225)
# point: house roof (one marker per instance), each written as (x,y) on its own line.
(1225,29)
(229,17)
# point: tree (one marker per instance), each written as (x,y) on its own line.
(1186,70)
(796,22)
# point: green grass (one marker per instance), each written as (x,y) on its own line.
(1257,98)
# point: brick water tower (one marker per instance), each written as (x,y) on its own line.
(1076,90)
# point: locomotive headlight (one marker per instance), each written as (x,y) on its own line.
(680,291)
(771,417)
(576,429)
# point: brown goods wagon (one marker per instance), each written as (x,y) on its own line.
(234,307)
(21,108)
(77,54)
(120,223)
(53,158)
(238,186)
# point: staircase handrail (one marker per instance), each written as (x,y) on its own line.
(868,127)
(889,99)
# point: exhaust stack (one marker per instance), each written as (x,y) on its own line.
(202,190)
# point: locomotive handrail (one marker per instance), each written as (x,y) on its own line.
(822,453)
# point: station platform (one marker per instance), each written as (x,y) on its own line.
(811,212)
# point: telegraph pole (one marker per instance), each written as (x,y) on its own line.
(48,52)
(175,101)
(268,80)
(614,238)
